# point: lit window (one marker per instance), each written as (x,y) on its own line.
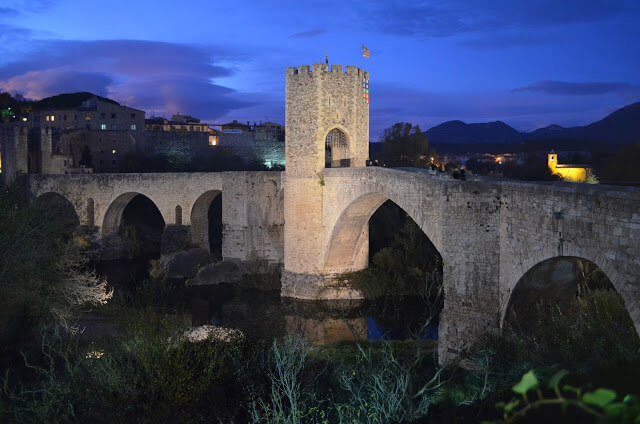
(113,151)
(88,116)
(47,118)
(53,118)
(133,126)
(103,126)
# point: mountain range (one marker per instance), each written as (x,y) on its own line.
(620,127)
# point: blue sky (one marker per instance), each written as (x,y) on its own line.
(529,63)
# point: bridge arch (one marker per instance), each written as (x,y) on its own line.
(337,147)
(113,217)
(59,208)
(206,221)
(623,284)
(347,245)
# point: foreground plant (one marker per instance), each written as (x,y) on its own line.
(601,403)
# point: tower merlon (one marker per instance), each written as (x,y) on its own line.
(323,67)
(319,67)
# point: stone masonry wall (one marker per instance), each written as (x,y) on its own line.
(489,233)
(252,213)
(317,101)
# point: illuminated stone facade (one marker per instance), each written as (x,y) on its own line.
(571,173)
(318,100)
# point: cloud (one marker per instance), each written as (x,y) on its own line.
(308,34)
(166,96)
(149,75)
(39,84)
(577,88)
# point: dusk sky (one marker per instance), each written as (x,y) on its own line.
(529,63)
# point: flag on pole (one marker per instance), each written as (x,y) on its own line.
(365,52)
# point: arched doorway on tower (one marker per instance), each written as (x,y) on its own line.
(336,149)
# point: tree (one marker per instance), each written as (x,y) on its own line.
(43,274)
(405,145)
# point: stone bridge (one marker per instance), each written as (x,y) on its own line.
(252,215)
(314,220)
(489,233)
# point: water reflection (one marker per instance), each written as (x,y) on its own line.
(265,315)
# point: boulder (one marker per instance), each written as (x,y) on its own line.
(183,264)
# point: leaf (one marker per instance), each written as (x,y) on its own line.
(615,410)
(528,382)
(555,380)
(599,397)
(509,407)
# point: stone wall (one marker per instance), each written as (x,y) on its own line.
(163,142)
(489,234)
(317,101)
(252,212)
(13,151)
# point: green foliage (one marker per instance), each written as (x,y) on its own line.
(48,394)
(527,383)
(404,260)
(599,403)
(43,277)
(386,387)
(404,144)
(286,403)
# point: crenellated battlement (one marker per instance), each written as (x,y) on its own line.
(327,69)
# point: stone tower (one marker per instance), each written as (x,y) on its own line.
(327,122)
(13,152)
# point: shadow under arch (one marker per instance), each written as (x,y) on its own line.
(337,147)
(137,210)
(206,222)
(59,209)
(618,281)
(346,249)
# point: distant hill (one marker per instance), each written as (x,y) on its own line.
(620,127)
(460,132)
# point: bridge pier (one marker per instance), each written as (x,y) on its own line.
(174,238)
